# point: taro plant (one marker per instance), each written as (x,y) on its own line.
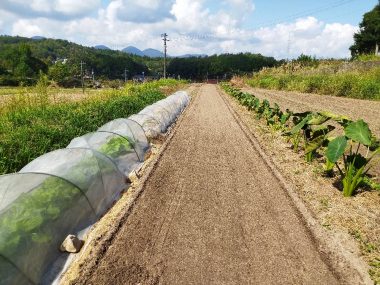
(263,108)
(311,127)
(355,165)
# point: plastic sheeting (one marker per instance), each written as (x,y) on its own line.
(119,149)
(156,118)
(132,131)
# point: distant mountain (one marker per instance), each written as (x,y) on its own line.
(102,47)
(152,53)
(191,55)
(133,50)
(38,38)
(146,52)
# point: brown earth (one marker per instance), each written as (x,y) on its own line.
(356,109)
(214,211)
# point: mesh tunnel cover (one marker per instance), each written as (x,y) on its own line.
(120,149)
(155,119)
(152,128)
(36,212)
(131,130)
(92,172)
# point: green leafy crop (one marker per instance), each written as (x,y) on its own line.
(116,147)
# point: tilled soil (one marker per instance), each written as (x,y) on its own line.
(356,109)
(213,212)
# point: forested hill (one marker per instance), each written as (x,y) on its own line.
(21,59)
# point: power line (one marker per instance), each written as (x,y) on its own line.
(294,16)
(308,12)
(165,39)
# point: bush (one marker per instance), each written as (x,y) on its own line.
(338,78)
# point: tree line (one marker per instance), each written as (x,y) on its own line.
(222,66)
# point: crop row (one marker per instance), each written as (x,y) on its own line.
(346,145)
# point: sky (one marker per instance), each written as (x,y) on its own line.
(278,28)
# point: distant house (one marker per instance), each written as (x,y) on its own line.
(138,78)
(62,60)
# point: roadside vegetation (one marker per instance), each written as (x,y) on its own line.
(31,125)
(355,79)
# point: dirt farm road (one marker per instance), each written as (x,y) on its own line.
(212,212)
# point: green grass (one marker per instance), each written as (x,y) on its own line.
(360,79)
(29,129)
(51,91)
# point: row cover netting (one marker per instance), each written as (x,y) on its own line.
(156,118)
(67,190)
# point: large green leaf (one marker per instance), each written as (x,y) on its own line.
(284,117)
(314,144)
(359,132)
(334,117)
(340,119)
(335,148)
(298,117)
(317,119)
(300,125)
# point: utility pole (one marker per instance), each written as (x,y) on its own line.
(165,39)
(81,74)
(125,74)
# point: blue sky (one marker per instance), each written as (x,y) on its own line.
(277,28)
(350,12)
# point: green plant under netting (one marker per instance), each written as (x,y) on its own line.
(116,147)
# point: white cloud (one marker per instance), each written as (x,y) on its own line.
(54,9)
(240,9)
(26,29)
(191,26)
(190,16)
(6,20)
(308,36)
(41,5)
(75,7)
